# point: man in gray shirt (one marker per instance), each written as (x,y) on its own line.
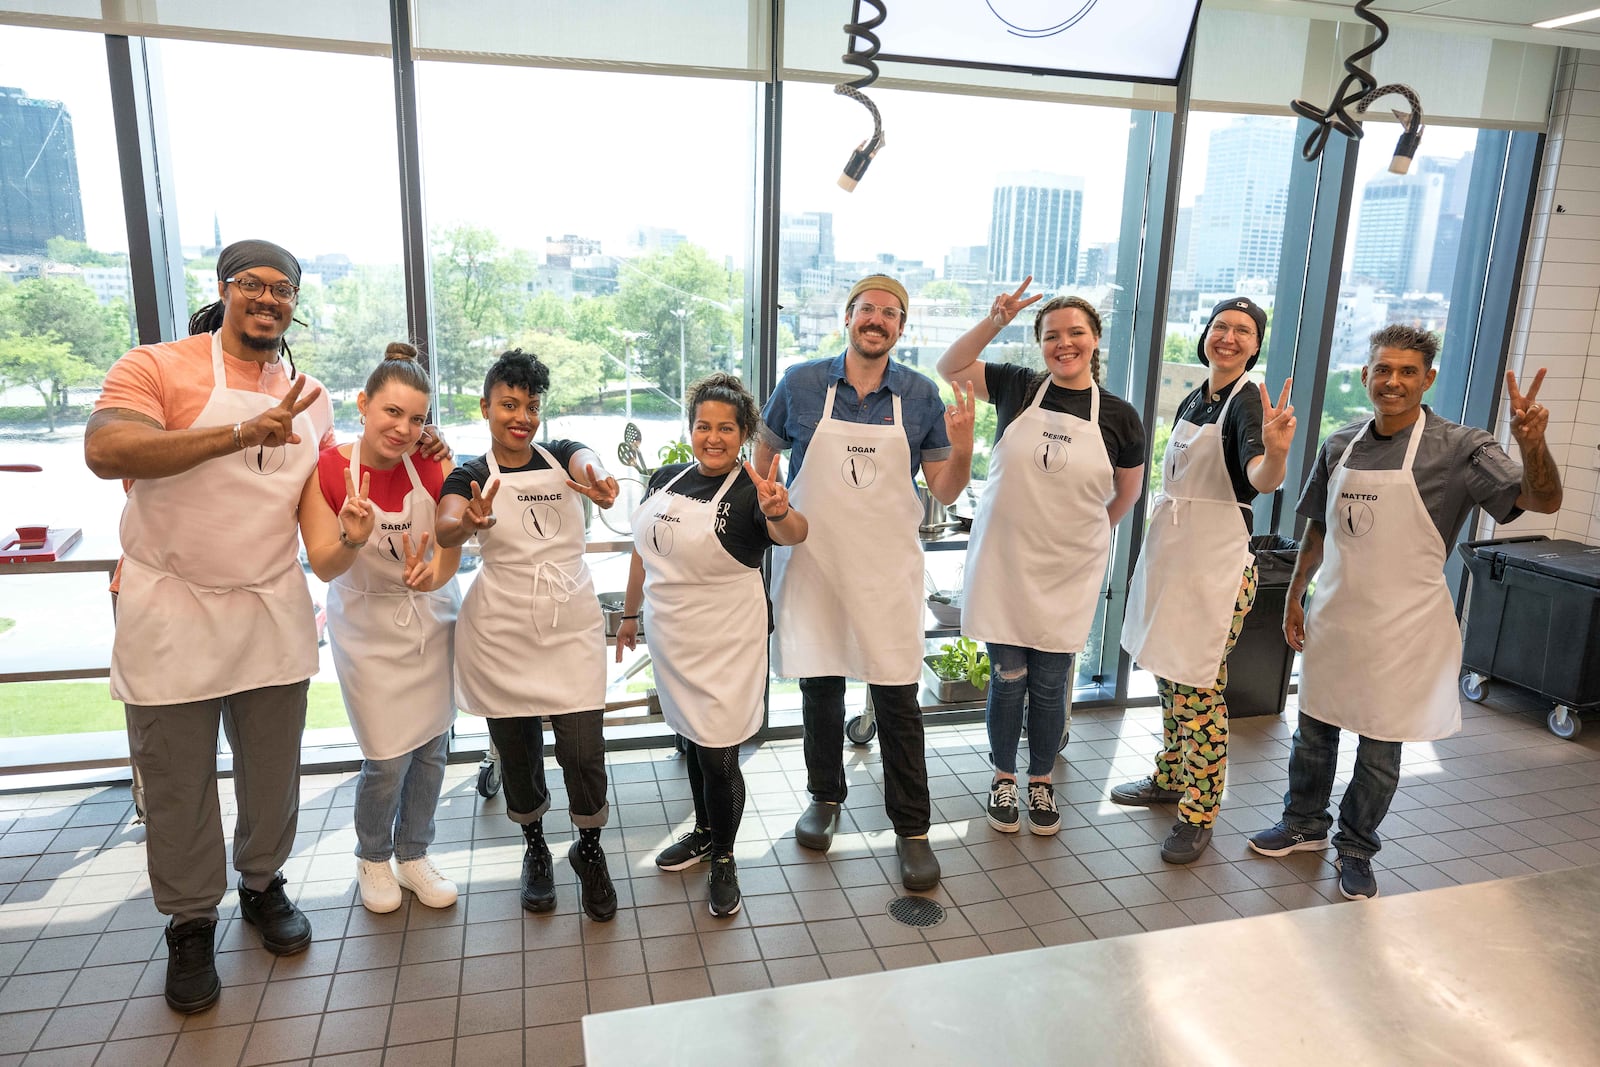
(1382,650)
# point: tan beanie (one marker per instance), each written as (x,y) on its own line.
(879,281)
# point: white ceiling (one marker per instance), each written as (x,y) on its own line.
(1509,20)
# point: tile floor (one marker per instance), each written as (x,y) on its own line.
(82,958)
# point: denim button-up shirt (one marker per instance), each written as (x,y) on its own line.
(795,408)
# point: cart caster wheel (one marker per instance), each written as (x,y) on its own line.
(1563,723)
(1473,686)
(488,779)
(860,734)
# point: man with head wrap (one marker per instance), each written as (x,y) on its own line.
(214,436)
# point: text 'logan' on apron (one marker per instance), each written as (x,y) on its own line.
(1186,583)
(848,599)
(707,618)
(1041,536)
(1383,649)
(211,599)
(391,644)
(530,639)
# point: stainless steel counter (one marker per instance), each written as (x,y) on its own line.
(1504,972)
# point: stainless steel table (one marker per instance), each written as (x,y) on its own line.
(1496,972)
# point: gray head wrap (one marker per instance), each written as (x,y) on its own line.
(242,255)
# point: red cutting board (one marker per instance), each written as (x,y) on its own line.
(54,547)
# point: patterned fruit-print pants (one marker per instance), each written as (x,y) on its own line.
(1194,729)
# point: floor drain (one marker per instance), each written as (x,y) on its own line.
(916,911)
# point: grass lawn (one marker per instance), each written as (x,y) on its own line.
(6,624)
(39,709)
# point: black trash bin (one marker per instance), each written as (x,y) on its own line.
(1533,619)
(1259,667)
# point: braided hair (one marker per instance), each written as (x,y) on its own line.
(1060,303)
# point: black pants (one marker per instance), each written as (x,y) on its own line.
(581,751)
(905,766)
(718,787)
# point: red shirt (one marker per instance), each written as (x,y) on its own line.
(387,489)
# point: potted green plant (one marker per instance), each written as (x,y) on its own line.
(960,672)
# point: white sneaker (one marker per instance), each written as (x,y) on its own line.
(423,878)
(379,891)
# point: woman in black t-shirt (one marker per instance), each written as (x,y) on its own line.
(1067,465)
(699,538)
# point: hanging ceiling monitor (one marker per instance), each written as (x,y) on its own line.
(1124,40)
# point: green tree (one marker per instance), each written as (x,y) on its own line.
(547,313)
(79,254)
(1179,349)
(575,370)
(68,310)
(478,298)
(653,292)
(45,365)
(353,320)
(943,289)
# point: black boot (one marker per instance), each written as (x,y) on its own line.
(192,982)
(284,928)
(538,879)
(588,859)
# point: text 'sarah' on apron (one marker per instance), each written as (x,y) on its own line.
(848,599)
(530,639)
(211,599)
(1041,537)
(1383,649)
(391,644)
(1186,583)
(707,618)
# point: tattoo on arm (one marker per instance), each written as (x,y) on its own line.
(1541,478)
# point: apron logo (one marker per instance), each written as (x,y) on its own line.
(541,521)
(1357,518)
(1179,452)
(859,471)
(263,459)
(390,548)
(1050,457)
(659,538)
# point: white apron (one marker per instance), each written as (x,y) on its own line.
(211,600)
(1383,649)
(1041,537)
(707,619)
(848,599)
(530,639)
(1186,583)
(391,643)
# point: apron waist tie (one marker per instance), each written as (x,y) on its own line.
(561,585)
(407,611)
(259,588)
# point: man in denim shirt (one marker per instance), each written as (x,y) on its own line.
(848,601)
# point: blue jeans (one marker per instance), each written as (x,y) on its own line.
(1043,678)
(396,799)
(1312,756)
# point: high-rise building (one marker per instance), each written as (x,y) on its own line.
(1396,233)
(805,244)
(1457,175)
(1236,232)
(967,263)
(39,196)
(1034,230)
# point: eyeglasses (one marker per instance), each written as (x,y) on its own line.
(1222,329)
(887,314)
(282,292)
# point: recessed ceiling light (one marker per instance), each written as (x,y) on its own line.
(1567,20)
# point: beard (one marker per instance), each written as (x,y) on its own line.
(263,344)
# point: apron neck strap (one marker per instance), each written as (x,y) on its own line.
(833,389)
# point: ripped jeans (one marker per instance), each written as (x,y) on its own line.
(1043,678)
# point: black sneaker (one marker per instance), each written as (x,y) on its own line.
(284,928)
(1186,843)
(1355,878)
(192,982)
(1004,814)
(692,848)
(538,879)
(1144,793)
(724,885)
(1279,840)
(1043,819)
(598,895)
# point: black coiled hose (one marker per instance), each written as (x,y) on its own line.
(1357,84)
(863,58)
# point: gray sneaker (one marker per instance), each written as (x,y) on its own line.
(1186,842)
(1144,793)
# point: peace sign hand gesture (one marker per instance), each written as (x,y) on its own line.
(771,493)
(603,491)
(275,426)
(480,508)
(1277,423)
(1006,305)
(1528,419)
(355,517)
(417,570)
(959,416)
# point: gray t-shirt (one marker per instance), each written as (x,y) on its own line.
(1456,468)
